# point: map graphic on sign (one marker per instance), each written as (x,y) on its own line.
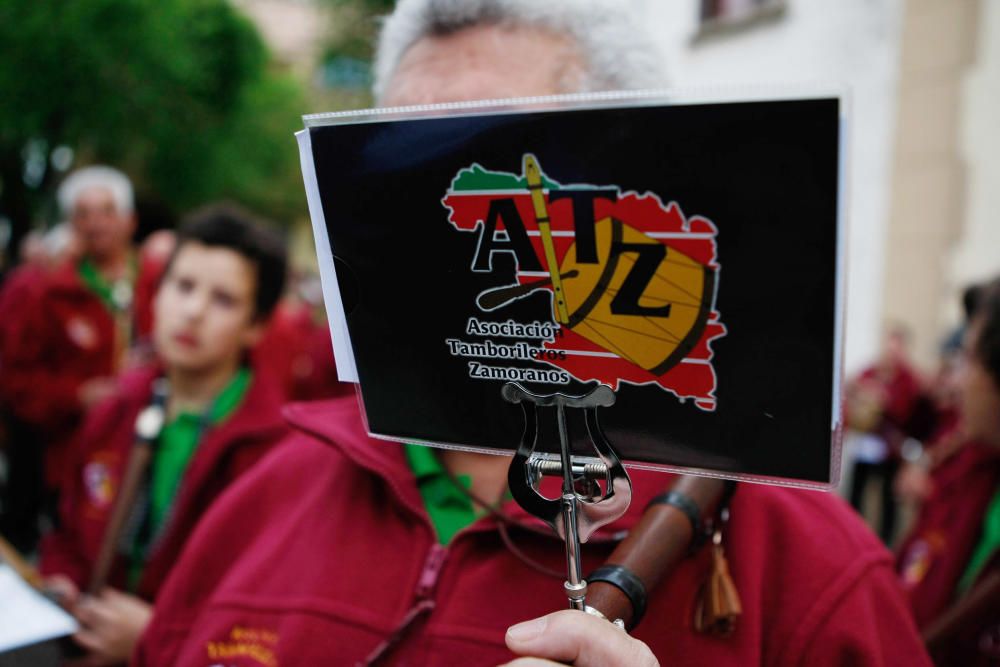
(633,282)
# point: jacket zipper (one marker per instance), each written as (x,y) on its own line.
(423,604)
(431,571)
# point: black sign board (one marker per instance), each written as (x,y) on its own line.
(687,255)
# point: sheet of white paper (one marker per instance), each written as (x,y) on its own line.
(347,370)
(26,616)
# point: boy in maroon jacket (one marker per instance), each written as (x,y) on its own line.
(220,285)
(342,550)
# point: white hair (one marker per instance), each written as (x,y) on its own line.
(617,50)
(97,176)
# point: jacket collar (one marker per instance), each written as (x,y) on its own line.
(256,418)
(340,423)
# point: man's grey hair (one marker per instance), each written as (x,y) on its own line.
(617,50)
(97,176)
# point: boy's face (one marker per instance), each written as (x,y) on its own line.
(204,309)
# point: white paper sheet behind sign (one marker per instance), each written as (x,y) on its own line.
(342,351)
(26,616)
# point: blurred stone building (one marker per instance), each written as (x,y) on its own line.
(295,31)
(944,229)
(924,140)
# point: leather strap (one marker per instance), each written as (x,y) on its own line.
(628,583)
(689,507)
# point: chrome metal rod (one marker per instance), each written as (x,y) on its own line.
(575,585)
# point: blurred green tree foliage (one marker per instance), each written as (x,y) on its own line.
(345,74)
(176,92)
(356,27)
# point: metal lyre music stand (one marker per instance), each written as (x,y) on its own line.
(575,515)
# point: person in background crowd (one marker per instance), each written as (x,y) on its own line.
(23,496)
(40,253)
(882,401)
(154,252)
(970,297)
(297,349)
(340,549)
(218,418)
(32,249)
(159,245)
(71,336)
(913,483)
(955,542)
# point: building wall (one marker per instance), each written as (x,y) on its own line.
(852,42)
(294,30)
(929,201)
(976,253)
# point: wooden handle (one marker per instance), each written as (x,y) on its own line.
(657,543)
(24,569)
(124,501)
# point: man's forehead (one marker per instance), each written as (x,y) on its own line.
(482,62)
(94,195)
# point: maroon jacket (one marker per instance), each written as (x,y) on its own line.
(902,390)
(57,336)
(298,353)
(18,289)
(934,555)
(324,551)
(99,455)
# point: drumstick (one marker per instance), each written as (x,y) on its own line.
(533,175)
(138,462)
(24,569)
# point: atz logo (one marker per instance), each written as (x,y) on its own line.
(633,282)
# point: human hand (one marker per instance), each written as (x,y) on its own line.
(577,638)
(112,623)
(61,588)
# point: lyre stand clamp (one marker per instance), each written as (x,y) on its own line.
(576,514)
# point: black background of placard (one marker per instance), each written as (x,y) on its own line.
(764,172)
